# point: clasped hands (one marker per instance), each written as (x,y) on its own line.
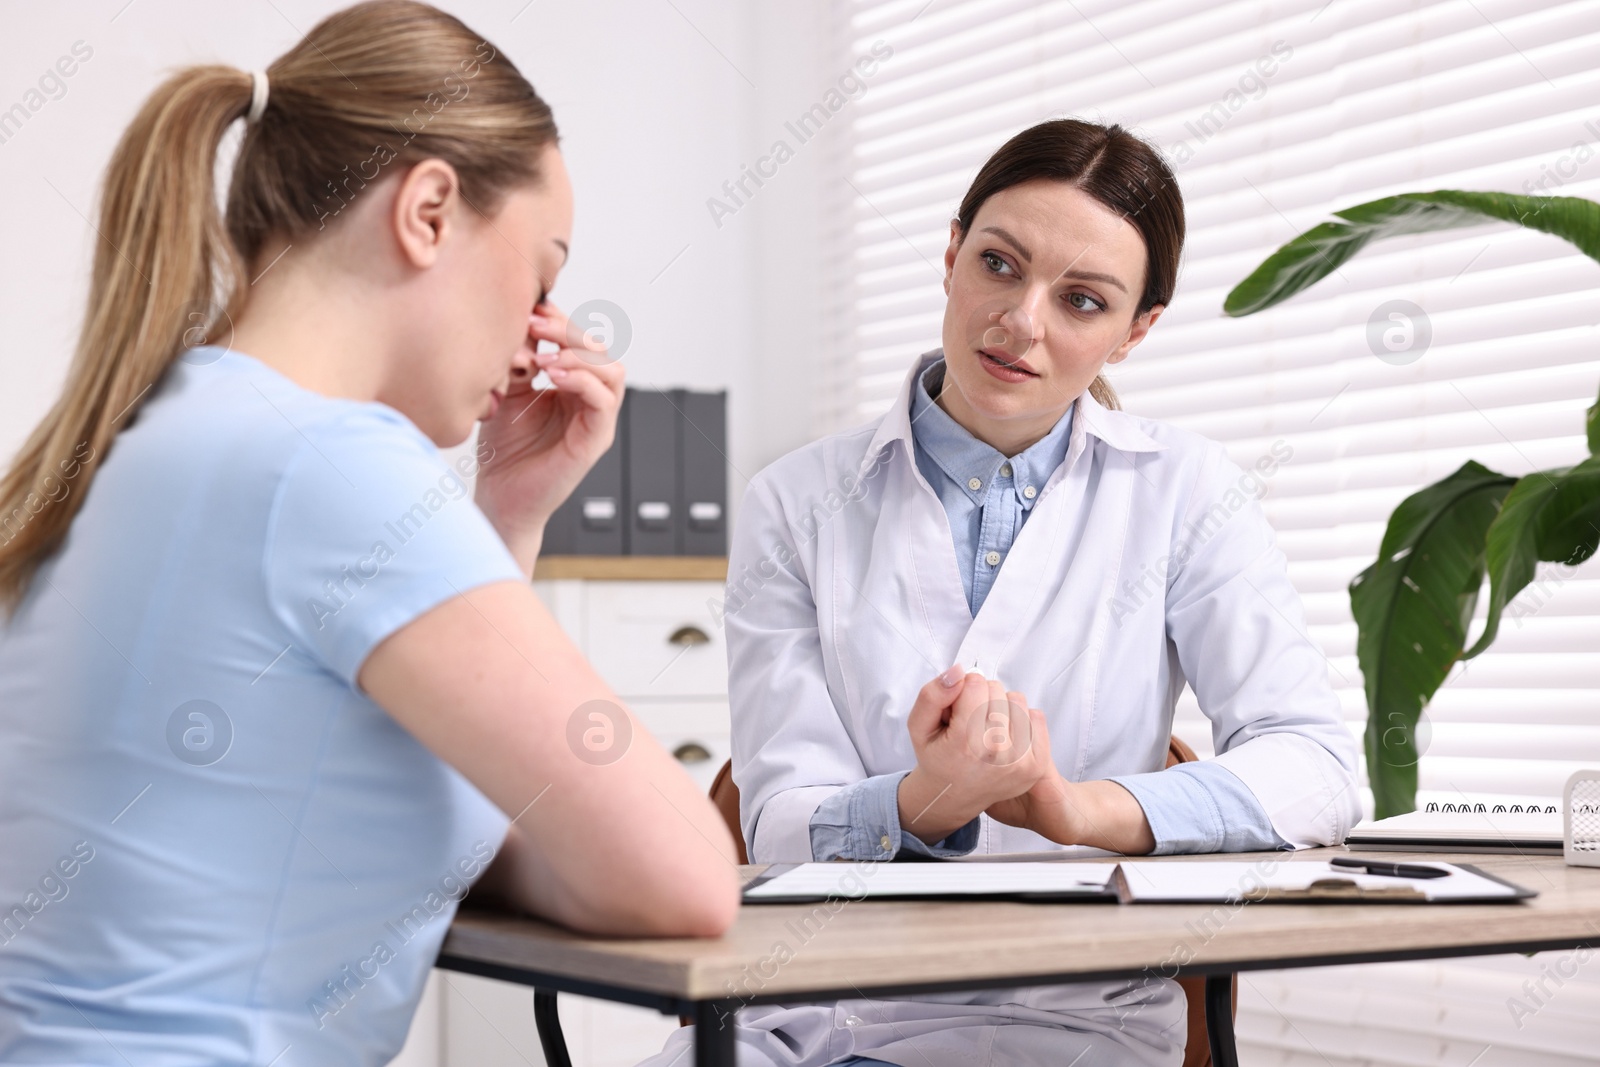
(981,748)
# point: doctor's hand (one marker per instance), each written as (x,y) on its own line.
(977,746)
(541,442)
(1101,814)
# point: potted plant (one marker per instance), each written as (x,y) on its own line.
(1414,604)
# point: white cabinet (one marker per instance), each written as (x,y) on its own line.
(656,642)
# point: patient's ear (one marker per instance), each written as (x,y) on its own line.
(424,213)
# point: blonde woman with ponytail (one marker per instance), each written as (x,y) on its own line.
(274,693)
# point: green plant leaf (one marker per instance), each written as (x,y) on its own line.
(1591,425)
(1324,248)
(1512,547)
(1412,607)
(1552,516)
(1569,525)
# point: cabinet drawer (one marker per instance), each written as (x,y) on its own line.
(656,640)
(697,734)
(701,754)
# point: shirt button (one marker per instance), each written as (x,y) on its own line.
(1005,469)
(852,1020)
(884,842)
(992,559)
(974,484)
(1030,492)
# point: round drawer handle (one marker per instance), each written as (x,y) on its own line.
(691,752)
(689,635)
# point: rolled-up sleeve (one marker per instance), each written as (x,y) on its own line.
(1239,632)
(862,822)
(1201,807)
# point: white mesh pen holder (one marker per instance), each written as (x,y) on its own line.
(1582,846)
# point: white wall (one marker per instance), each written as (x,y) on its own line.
(658,104)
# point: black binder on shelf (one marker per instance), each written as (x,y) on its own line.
(590,521)
(661,489)
(649,438)
(702,519)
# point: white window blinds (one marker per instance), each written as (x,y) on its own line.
(1274,115)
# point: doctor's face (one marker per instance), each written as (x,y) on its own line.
(1042,293)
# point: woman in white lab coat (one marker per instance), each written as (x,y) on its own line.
(1005,515)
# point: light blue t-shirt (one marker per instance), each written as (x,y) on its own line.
(214,849)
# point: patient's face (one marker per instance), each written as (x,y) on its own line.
(1042,294)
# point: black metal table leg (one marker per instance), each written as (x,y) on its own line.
(551,1039)
(713,1033)
(1219,1020)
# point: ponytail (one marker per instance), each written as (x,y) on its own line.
(1101,390)
(168,268)
(161,248)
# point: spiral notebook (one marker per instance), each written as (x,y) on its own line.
(1481,828)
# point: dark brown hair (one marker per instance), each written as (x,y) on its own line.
(1118,169)
(369,90)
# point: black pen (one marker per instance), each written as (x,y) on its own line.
(1393,870)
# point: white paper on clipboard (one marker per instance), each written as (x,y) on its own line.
(821,881)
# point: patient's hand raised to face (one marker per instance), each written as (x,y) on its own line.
(977,745)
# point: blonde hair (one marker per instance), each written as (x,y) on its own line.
(1101,390)
(372,88)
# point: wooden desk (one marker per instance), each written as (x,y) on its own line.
(879,948)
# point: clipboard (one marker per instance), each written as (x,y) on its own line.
(1303,882)
(1127,882)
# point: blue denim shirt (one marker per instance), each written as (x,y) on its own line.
(986,495)
(1194,807)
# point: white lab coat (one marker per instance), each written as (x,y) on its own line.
(1145,563)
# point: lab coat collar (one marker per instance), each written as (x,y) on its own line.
(1117,429)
